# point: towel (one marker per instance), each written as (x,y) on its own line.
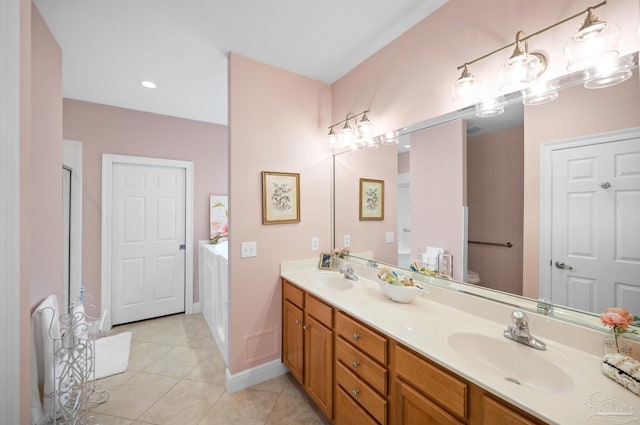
(45,333)
(622,369)
(430,257)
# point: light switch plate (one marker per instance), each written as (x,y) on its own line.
(389,237)
(249,249)
(315,243)
(347,241)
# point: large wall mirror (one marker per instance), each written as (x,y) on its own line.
(542,201)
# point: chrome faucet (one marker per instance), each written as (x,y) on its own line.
(347,271)
(519,331)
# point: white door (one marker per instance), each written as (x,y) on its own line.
(148,241)
(596,226)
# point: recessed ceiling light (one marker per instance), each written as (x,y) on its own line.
(148,84)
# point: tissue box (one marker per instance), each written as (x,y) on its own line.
(622,369)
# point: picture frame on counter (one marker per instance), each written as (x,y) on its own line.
(326,261)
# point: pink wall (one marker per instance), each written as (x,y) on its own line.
(108,129)
(577,112)
(438,190)
(377,164)
(277,122)
(410,79)
(45,215)
(495,173)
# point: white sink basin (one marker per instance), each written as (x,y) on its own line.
(488,351)
(330,280)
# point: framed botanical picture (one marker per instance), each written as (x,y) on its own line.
(280,197)
(219,217)
(326,261)
(371,199)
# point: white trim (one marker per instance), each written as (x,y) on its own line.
(107,175)
(546,192)
(255,375)
(72,158)
(10,363)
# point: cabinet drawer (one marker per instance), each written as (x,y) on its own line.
(370,342)
(319,311)
(445,389)
(362,365)
(292,293)
(348,412)
(362,394)
(495,412)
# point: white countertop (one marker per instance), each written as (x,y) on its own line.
(425,324)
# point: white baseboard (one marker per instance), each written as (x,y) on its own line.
(197,308)
(255,375)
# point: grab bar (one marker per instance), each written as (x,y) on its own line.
(507,244)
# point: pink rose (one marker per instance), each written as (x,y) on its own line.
(616,317)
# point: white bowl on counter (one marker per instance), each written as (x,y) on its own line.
(400,293)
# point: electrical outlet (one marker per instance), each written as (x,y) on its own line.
(389,237)
(249,249)
(315,243)
(347,241)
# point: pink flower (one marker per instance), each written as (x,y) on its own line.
(617,318)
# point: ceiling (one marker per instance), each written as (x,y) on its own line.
(109,46)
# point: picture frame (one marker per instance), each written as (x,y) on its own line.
(280,197)
(218,218)
(326,261)
(371,200)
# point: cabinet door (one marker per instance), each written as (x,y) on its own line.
(318,376)
(292,339)
(415,409)
(497,413)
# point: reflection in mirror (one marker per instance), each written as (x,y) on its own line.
(469,183)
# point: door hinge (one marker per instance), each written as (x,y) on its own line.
(183,247)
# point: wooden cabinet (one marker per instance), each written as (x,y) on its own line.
(495,412)
(427,394)
(292,332)
(318,353)
(307,344)
(361,372)
(358,376)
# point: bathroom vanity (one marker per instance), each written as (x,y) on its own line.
(440,359)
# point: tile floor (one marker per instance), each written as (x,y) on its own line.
(176,376)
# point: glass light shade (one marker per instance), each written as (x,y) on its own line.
(346,135)
(362,129)
(609,72)
(538,93)
(587,47)
(332,137)
(466,88)
(520,72)
(390,138)
(490,107)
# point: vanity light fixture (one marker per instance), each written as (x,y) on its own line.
(523,68)
(592,49)
(348,136)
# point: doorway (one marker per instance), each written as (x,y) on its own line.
(147,238)
(72,203)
